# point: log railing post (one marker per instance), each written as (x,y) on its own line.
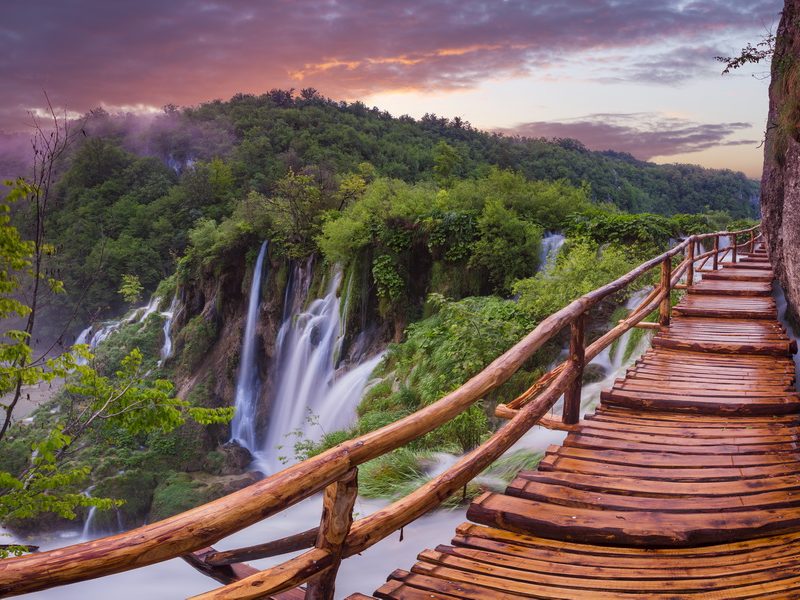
(666,284)
(690,267)
(337,517)
(715,260)
(735,243)
(752,245)
(577,355)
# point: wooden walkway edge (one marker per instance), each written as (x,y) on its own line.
(684,483)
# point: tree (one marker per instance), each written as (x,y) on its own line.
(131,289)
(446,162)
(297,206)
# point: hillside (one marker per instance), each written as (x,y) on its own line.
(134,187)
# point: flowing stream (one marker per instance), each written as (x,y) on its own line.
(247,383)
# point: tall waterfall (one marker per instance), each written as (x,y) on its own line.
(247,384)
(551,245)
(309,400)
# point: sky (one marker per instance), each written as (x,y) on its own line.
(636,76)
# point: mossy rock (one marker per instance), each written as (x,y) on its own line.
(136,488)
(179,493)
(194,341)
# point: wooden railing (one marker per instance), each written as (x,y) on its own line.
(334,472)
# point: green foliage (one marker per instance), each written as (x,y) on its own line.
(581,269)
(647,234)
(507,467)
(507,247)
(446,163)
(391,475)
(389,281)
(296,209)
(131,288)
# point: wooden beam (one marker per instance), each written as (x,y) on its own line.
(577,356)
(224,574)
(291,543)
(665,285)
(279,578)
(337,517)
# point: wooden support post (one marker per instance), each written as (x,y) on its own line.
(577,354)
(735,244)
(690,268)
(666,306)
(715,260)
(752,241)
(337,517)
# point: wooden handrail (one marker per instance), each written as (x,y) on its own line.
(202,526)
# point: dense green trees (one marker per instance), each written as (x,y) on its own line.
(132,192)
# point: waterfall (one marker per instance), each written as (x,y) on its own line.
(83,338)
(169,317)
(309,399)
(148,310)
(551,245)
(86,533)
(247,384)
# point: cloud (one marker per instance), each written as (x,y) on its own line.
(92,52)
(643,135)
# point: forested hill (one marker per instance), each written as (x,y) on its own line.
(279,165)
(264,135)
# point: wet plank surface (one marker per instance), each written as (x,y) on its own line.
(684,483)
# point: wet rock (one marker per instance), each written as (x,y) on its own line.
(235,459)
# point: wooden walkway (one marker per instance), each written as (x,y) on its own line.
(684,483)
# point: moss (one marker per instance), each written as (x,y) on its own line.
(214,462)
(136,488)
(194,341)
(179,493)
(181,449)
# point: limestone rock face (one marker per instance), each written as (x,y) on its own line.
(780,182)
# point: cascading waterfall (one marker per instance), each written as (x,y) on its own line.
(86,533)
(309,400)
(83,338)
(148,310)
(247,383)
(551,245)
(139,315)
(169,317)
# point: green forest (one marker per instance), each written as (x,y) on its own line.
(439,224)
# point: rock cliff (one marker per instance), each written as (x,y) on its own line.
(780,183)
